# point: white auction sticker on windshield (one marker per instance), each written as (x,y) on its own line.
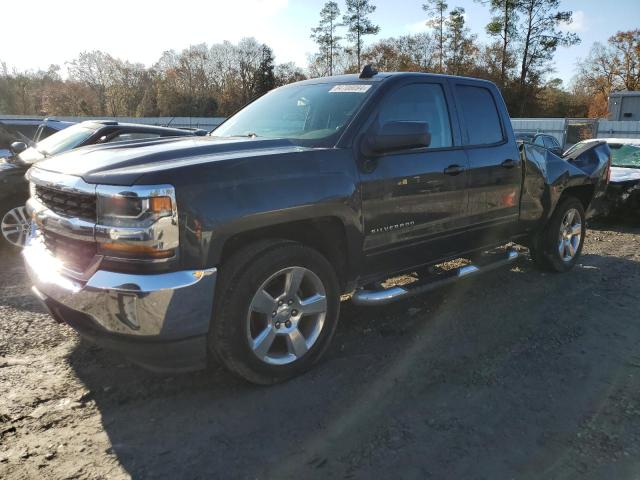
(350,88)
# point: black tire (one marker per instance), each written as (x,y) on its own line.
(545,247)
(240,278)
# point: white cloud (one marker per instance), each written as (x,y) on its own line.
(138,31)
(421,25)
(417,27)
(579,23)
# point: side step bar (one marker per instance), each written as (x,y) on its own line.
(388,295)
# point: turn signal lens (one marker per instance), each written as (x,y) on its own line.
(135,251)
(160,205)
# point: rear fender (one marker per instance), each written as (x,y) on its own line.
(549,177)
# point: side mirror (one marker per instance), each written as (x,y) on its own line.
(394,136)
(18,147)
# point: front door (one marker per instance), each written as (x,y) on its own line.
(414,202)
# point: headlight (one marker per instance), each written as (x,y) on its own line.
(139,222)
(133,211)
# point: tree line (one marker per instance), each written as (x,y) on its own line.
(199,81)
(216,80)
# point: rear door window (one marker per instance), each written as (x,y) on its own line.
(480,115)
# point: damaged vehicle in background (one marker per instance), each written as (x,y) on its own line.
(623,192)
(14,189)
(543,140)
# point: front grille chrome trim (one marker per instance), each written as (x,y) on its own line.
(59,181)
(75,228)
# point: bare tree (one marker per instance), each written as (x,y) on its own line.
(625,47)
(93,69)
(286,73)
(608,68)
(405,53)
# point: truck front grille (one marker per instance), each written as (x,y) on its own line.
(67,204)
(74,254)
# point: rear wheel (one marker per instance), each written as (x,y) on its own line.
(277,309)
(559,245)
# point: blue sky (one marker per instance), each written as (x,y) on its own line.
(141,30)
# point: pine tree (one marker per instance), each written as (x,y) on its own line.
(358,24)
(325,34)
(266,78)
(503,25)
(541,36)
(459,43)
(438,10)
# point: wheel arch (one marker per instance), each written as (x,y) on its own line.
(327,235)
(584,193)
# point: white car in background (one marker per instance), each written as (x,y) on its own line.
(623,191)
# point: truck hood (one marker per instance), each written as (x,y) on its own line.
(123,164)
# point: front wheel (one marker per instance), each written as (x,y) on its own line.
(277,309)
(559,245)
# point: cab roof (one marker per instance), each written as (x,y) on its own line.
(381,77)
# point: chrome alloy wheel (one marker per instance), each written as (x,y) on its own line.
(570,235)
(286,315)
(15,226)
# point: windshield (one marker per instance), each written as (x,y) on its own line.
(59,142)
(306,114)
(623,155)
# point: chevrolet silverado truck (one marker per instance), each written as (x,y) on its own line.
(237,247)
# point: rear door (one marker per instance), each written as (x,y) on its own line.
(495,168)
(414,201)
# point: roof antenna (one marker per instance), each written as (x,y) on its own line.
(368,71)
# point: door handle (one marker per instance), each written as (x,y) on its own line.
(453,170)
(508,163)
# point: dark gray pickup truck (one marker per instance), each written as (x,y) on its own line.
(238,246)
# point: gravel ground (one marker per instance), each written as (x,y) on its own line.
(516,374)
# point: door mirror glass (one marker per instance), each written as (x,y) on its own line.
(394,136)
(18,147)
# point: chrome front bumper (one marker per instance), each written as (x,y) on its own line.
(163,307)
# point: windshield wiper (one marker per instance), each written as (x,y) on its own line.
(248,135)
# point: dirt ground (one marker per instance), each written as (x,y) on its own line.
(515,374)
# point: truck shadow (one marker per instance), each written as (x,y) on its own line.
(491,377)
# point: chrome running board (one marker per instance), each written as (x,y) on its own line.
(391,294)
